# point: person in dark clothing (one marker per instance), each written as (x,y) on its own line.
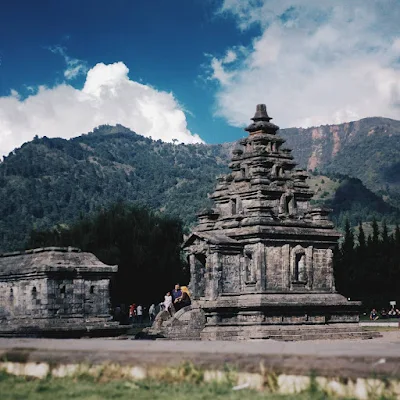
(183,300)
(176,293)
(373,316)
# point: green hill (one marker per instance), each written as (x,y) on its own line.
(54,181)
(50,181)
(350,199)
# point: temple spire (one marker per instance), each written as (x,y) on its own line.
(261,113)
(261,122)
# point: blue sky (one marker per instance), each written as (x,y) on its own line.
(193,70)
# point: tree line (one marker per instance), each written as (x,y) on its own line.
(368,268)
(145,246)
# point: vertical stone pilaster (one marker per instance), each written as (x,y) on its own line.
(216,269)
(193,284)
(292,265)
(309,267)
(260,267)
(286,270)
(242,273)
(329,262)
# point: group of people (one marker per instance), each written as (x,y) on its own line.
(136,313)
(384,314)
(177,299)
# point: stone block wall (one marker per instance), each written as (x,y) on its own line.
(44,298)
(323,269)
(60,297)
(277,268)
(230,273)
(24,298)
(78,297)
(96,301)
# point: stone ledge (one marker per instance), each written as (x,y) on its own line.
(42,250)
(65,331)
(381,324)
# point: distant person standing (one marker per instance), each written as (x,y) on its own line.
(132,311)
(139,313)
(117,314)
(152,312)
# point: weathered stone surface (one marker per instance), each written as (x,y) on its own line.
(186,324)
(262,257)
(47,287)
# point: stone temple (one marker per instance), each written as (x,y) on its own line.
(54,290)
(261,258)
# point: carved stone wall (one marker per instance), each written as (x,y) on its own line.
(48,284)
(24,298)
(323,269)
(230,273)
(268,251)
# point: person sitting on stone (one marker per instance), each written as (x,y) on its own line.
(185,296)
(392,312)
(384,313)
(373,316)
(176,297)
(184,300)
(168,303)
(176,293)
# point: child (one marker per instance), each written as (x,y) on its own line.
(168,302)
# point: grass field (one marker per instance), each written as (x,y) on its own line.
(87,388)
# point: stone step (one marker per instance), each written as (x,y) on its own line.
(296,328)
(282,336)
(260,332)
(329,336)
(179,338)
(353,331)
(307,331)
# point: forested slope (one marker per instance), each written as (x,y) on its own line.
(55,181)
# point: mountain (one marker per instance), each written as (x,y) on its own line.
(368,149)
(55,181)
(350,199)
(50,181)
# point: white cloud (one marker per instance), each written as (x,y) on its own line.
(108,97)
(314,62)
(230,57)
(75,67)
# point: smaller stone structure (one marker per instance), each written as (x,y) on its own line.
(53,287)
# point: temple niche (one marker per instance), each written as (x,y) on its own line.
(261,258)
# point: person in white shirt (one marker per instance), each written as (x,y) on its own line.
(152,312)
(139,313)
(168,302)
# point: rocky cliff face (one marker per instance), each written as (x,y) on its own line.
(368,149)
